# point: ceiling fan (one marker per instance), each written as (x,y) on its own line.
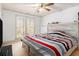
(45,6)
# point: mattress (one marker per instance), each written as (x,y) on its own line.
(51,44)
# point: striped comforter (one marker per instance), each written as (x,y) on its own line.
(51,44)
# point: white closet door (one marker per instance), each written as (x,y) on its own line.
(20,28)
(8,18)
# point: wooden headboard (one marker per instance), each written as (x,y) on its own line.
(71,28)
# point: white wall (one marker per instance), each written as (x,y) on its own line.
(66,15)
(9,24)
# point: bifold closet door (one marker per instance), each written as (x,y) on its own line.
(8,19)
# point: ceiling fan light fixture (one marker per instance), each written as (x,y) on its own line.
(41,9)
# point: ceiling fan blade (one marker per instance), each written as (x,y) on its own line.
(47,9)
(42,5)
(49,4)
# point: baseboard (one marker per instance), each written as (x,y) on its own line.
(9,42)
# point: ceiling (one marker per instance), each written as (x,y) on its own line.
(31,8)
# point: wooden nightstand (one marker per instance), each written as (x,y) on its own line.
(75,53)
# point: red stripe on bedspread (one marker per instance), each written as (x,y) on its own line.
(51,47)
(58,40)
(61,40)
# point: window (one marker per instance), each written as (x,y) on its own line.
(30,26)
(24,25)
(20,28)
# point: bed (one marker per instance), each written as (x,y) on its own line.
(55,42)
